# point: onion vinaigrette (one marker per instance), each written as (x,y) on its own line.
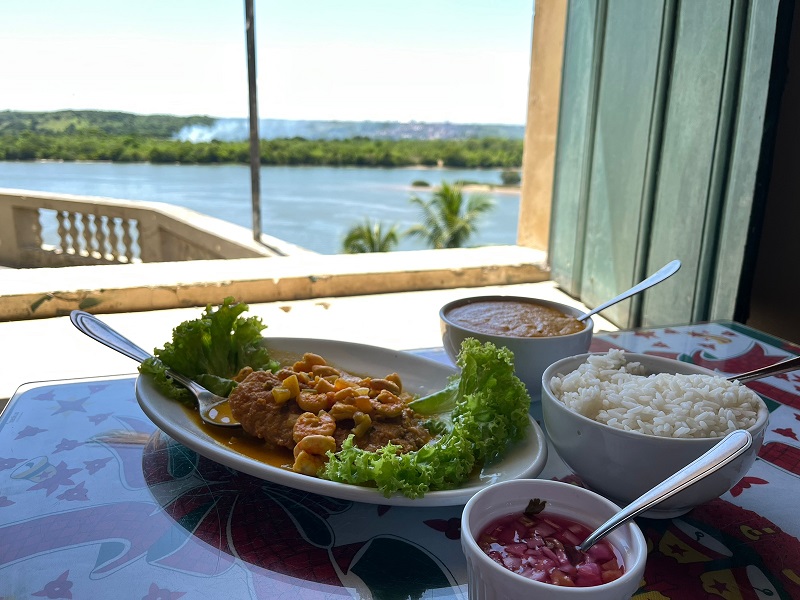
(544,547)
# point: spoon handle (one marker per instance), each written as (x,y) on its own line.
(731,446)
(101,332)
(666,271)
(782,367)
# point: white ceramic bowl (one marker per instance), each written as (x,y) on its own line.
(622,465)
(491,581)
(532,355)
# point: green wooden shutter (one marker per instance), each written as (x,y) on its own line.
(660,134)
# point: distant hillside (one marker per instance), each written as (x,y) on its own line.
(89,121)
(206,129)
(230,130)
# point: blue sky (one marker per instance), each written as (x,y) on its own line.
(464,61)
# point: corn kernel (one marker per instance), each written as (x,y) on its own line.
(292,385)
(280,394)
(363,423)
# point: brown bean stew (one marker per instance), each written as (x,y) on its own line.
(514,318)
(543,547)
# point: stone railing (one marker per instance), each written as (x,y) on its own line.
(113,256)
(39,229)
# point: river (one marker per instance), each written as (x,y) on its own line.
(313,207)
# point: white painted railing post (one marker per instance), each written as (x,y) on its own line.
(83,230)
(19,229)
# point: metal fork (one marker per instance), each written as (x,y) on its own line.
(213,409)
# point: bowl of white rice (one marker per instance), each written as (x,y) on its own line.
(624,422)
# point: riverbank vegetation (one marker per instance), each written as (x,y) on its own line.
(356,152)
(125,137)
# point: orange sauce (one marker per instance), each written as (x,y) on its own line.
(237,440)
(221,414)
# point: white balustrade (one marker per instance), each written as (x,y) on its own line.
(40,229)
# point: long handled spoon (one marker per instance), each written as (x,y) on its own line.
(657,277)
(213,409)
(731,446)
(790,364)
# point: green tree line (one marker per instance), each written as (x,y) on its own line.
(363,152)
(96,121)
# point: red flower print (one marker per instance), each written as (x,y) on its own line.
(745,483)
(157,593)
(79,492)
(786,432)
(58,588)
(450,527)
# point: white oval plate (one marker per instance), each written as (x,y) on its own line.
(419,376)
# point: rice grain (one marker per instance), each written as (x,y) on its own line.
(611,390)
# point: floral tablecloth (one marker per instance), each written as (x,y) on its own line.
(95,502)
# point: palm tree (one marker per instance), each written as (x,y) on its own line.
(370,237)
(448,219)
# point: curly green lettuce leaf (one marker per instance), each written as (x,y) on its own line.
(210,350)
(439,465)
(489,414)
(493,404)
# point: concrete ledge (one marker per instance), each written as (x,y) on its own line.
(50,292)
(48,349)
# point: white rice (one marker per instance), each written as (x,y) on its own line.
(613,391)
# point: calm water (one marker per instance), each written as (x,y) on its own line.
(309,206)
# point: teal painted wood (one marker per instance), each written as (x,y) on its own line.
(686,207)
(617,205)
(575,135)
(660,136)
(660,104)
(747,139)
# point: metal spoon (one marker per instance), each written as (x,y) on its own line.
(731,446)
(790,364)
(657,277)
(213,409)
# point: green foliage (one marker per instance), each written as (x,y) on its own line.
(370,237)
(211,350)
(448,218)
(360,152)
(420,183)
(96,122)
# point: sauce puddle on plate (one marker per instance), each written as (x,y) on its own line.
(238,441)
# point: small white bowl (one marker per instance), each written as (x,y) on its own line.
(491,581)
(532,355)
(622,465)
